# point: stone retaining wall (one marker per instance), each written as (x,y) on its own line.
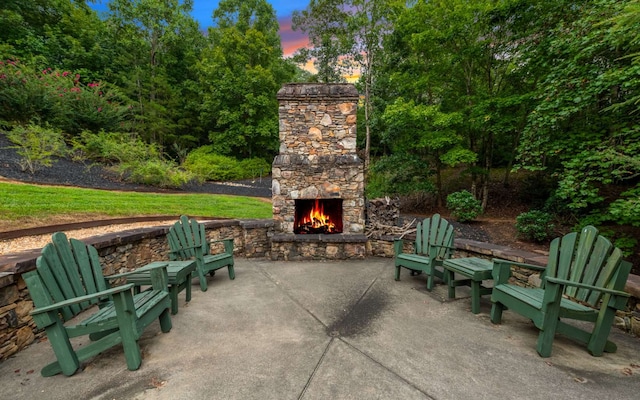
(127,250)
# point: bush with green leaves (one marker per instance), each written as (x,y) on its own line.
(37,145)
(535,225)
(59,98)
(114,147)
(204,164)
(464,206)
(155,172)
(135,160)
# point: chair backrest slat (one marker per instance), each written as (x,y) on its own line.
(67,269)
(434,237)
(419,248)
(184,236)
(588,259)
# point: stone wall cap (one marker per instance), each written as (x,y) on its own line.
(257,223)
(306,90)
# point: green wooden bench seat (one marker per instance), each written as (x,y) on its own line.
(583,280)
(188,241)
(68,280)
(433,245)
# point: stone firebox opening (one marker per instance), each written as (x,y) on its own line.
(318,216)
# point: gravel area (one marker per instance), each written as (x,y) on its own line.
(17,245)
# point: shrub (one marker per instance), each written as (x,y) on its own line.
(37,145)
(252,168)
(463,206)
(59,98)
(114,147)
(206,165)
(535,225)
(158,172)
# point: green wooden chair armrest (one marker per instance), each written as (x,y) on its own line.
(81,299)
(585,286)
(146,268)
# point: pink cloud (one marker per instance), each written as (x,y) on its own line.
(291,40)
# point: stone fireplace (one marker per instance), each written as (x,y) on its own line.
(318,178)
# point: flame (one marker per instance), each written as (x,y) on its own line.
(317,218)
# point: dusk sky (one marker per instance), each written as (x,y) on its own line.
(203,9)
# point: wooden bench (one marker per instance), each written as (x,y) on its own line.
(474,270)
(67,281)
(583,280)
(179,278)
(433,245)
(188,241)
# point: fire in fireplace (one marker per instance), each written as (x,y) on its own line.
(318,216)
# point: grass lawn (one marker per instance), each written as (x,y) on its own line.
(48,204)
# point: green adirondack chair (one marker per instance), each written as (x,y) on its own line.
(69,280)
(433,245)
(583,280)
(188,240)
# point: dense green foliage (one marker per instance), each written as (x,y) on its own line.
(147,71)
(547,86)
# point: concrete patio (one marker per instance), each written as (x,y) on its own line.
(334,330)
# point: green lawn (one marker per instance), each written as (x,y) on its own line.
(22,201)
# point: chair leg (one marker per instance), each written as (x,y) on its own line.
(548,331)
(496,313)
(165,321)
(397,277)
(173,294)
(598,342)
(430,281)
(68,362)
(232,272)
(203,280)
(450,284)
(188,287)
(475,297)
(125,314)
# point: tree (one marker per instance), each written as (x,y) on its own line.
(326,24)
(425,131)
(347,35)
(59,34)
(241,71)
(463,58)
(150,38)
